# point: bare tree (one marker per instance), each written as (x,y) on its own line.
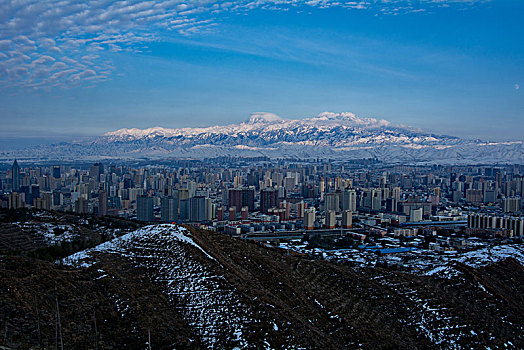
(5,332)
(96,330)
(38,323)
(59,328)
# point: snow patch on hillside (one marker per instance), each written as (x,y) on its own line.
(207,301)
(85,258)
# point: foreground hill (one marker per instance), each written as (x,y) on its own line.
(51,235)
(339,136)
(189,288)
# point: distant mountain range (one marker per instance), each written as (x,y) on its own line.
(339,136)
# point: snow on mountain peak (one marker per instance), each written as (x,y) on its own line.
(351,119)
(334,135)
(257,120)
(263,117)
(134,132)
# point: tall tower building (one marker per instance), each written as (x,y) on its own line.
(102,203)
(16,176)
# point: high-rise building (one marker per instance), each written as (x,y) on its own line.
(331,202)
(43,203)
(347,219)
(349,200)
(102,203)
(391,204)
(56,172)
(395,193)
(15,173)
(309,219)
(301,206)
(284,205)
(82,205)
(57,198)
(415,215)
(16,200)
(237,181)
(244,213)
(242,197)
(252,179)
(182,193)
(232,213)
(490,195)
(474,196)
(169,209)
(372,199)
(268,199)
(191,187)
(289,183)
(484,221)
(331,219)
(128,183)
(144,208)
(220,213)
(183,209)
(198,209)
(457,196)
(512,205)
(31,193)
(95,170)
(35,191)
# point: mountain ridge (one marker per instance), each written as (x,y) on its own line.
(338,136)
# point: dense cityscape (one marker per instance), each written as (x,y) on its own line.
(386,210)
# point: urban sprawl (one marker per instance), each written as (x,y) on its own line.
(361,212)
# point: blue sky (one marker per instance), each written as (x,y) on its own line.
(80,69)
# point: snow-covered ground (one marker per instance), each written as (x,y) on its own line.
(208,302)
(211,305)
(417,261)
(53,234)
(435,322)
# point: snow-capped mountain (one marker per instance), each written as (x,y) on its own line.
(328,136)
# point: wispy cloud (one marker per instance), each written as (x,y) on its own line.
(47,43)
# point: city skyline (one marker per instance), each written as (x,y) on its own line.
(451,67)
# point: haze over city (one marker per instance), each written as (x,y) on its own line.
(452,67)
